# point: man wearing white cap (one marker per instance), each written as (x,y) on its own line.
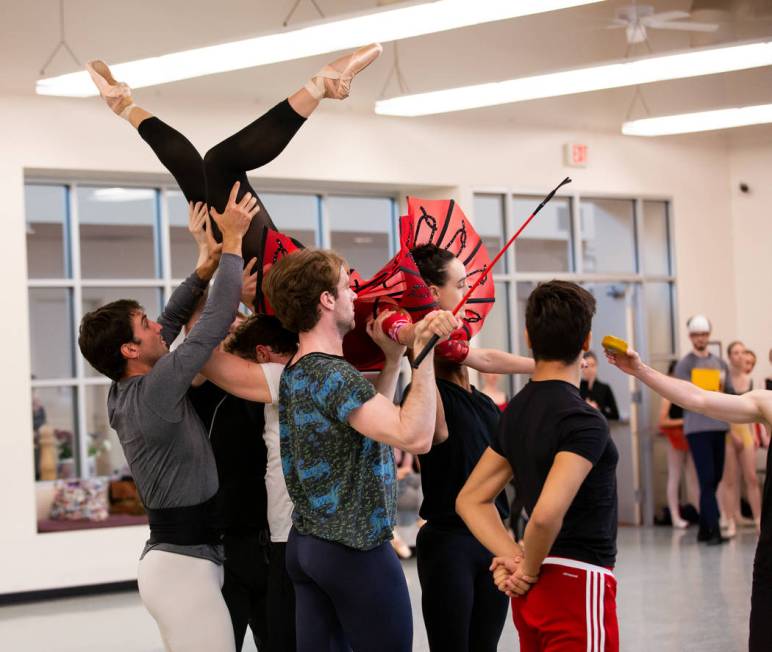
(706,436)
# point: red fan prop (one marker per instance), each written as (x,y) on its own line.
(481,278)
(398,285)
(443,223)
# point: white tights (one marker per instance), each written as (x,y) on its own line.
(183,594)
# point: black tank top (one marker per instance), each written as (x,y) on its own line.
(472,419)
(675,412)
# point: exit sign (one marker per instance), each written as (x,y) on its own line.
(576,155)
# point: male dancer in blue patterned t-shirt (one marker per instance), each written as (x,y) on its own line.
(336,436)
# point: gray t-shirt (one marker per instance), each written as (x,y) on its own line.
(164,441)
(694,422)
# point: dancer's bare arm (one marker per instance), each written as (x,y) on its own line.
(476,504)
(386,382)
(237,376)
(197,225)
(410,427)
(493,361)
(564,479)
(746,408)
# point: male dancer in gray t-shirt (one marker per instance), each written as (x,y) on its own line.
(167,448)
(706,436)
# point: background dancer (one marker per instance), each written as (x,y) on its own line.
(180,573)
(754,406)
(563,460)
(262,339)
(740,454)
(462,608)
(209,180)
(706,436)
(679,460)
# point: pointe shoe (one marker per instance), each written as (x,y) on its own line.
(116,94)
(334,80)
(680,524)
(730,530)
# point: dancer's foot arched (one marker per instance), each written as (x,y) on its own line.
(117,95)
(334,80)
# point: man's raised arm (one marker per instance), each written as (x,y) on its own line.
(410,427)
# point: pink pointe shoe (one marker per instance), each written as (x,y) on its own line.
(334,80)
(116,94)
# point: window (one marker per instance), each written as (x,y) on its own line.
(546,243)
(608,235)
(91,244)
(361,231)
(489,223)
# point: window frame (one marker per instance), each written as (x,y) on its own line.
(165,282)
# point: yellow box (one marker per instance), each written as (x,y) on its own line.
(709,379)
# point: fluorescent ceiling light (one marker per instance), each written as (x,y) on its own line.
(689,123)
(403,21)
(122,194)
(692,63)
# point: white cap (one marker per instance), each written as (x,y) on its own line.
(698,324)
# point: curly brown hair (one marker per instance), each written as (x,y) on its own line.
(294,284)
(261,329)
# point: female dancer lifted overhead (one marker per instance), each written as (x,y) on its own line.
(208,180)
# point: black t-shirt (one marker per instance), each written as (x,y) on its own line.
(544,419)
(601,393)
(235,429)
(472,418)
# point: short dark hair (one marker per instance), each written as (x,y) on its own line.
(102,333)
(261,329)
(590,354)
(432,262)
(558,317)
(294,284)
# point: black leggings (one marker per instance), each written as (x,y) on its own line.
(348,599)
(210,179)
(245,587)
(761,595)
(463,610)
(280,600)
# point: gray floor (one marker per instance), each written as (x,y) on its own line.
(674,596)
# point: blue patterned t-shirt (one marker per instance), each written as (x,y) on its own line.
(343,484)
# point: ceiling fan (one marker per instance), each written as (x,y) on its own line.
(636,19)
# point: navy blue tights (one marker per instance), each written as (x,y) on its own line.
(348,599)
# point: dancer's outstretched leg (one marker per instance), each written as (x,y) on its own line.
(255,145)
(172,148)
(264,139)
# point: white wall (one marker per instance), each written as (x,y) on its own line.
(52,133)
(751,163)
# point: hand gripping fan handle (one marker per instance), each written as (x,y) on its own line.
(425,351)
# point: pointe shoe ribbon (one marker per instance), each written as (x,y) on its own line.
(334,80)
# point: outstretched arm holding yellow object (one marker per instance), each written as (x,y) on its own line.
(754,406)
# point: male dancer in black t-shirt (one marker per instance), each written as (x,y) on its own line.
(563,461)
